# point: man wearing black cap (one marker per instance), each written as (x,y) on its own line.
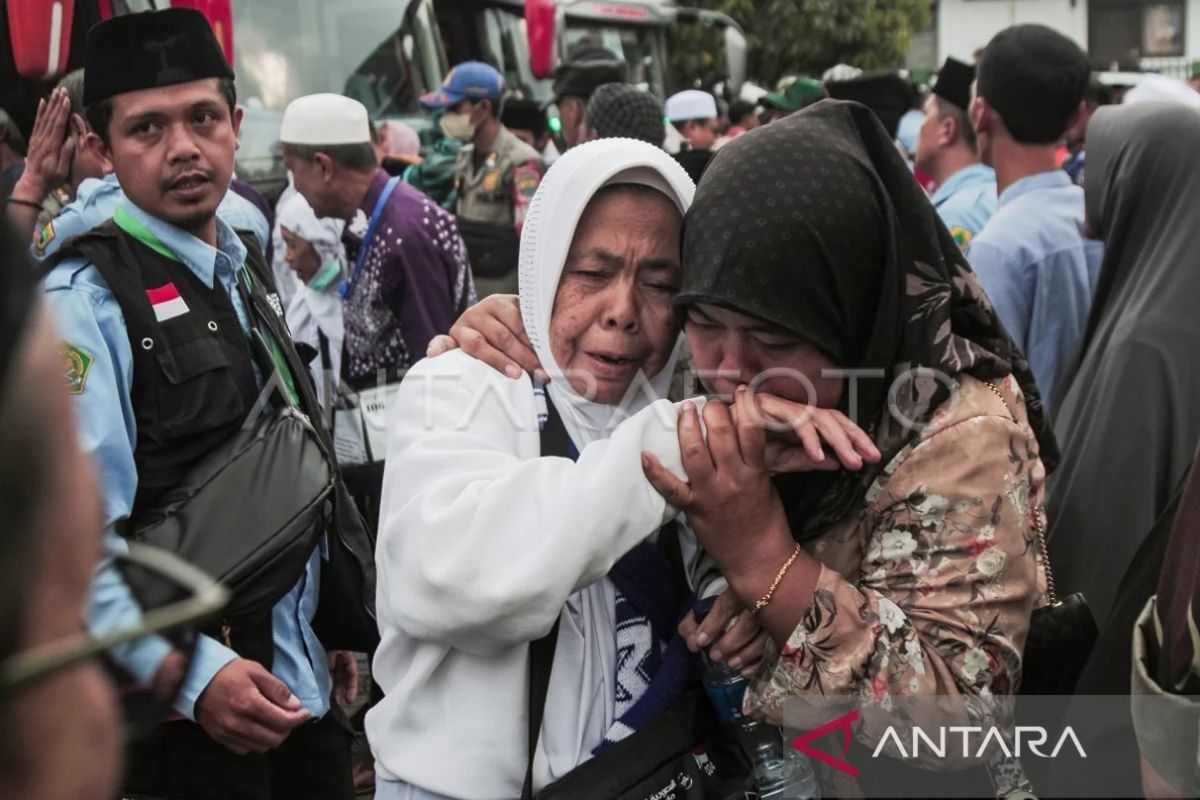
(1032,257)
(587,68)
(158,308)
(948,152)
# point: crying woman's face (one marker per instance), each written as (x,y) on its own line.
(612,314)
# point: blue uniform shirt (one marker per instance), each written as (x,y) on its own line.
(909,129)
(966,201)
(1040,271)
(90,319)
(97,198)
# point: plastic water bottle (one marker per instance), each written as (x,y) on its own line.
(780,772)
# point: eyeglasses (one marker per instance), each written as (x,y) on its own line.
(175,598)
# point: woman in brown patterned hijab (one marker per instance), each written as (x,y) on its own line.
(816,226)
(810,254)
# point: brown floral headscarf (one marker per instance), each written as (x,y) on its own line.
(814,223)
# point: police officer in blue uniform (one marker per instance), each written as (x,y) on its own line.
(947,151)
(156,333)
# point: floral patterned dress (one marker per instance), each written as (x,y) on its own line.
(929,589)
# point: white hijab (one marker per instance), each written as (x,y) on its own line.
(308,311)
(580,702)
(549,228)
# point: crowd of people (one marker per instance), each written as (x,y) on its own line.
(843,388)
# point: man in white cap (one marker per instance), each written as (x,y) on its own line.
(409,275)
(693,113)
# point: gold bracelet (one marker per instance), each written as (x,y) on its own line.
(766,598)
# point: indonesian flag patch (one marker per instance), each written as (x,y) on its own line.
(166,302)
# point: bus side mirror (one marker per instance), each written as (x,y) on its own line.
(540,33)
(735,59)
(735,42)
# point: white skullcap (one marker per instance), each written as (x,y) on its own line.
(325,119)
(691,104)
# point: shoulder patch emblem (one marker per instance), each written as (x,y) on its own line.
(42,238)
(962,236)
(527,179)
(77,363)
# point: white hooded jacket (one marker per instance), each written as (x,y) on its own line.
(483,543)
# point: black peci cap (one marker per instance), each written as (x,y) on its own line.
(954,81)
(148,50)
(523,114)
(889,94)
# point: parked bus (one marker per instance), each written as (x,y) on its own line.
(499,32)
(385,53)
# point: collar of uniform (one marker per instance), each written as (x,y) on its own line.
(92,188)
(504,140)
(500,144)
(962,178)
(1051,179)
(202,259)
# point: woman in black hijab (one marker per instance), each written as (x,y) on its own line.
(811,255)
(1130,418)
(1129,427)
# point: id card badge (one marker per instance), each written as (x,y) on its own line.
(376,405)
(349,441)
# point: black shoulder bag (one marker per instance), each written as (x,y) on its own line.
(252,511)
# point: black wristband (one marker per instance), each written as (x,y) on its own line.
(27,203)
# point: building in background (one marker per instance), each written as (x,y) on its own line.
(1157,35)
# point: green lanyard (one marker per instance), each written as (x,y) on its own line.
(137,229)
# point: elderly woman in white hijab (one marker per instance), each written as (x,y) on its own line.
(314,252)
(485,543)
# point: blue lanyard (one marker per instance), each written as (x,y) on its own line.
(346,287)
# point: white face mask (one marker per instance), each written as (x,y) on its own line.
(457,126)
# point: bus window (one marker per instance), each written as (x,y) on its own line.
(509,46)
(285,49)
(639,46)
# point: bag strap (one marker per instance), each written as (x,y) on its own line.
(1039,521)
(555,442)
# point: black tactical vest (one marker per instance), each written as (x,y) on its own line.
(193,374)
(194,384)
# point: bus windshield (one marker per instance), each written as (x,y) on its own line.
(384,53)
(381,52)
(639,45)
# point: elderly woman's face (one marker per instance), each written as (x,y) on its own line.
(612,314)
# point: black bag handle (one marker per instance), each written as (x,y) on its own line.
(555,442)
